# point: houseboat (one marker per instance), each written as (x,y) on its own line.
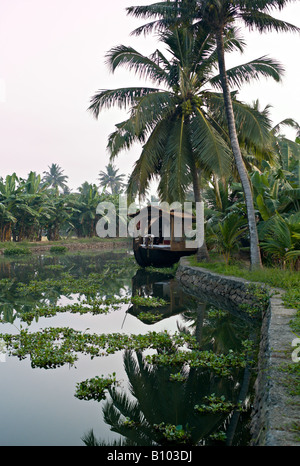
(167,245)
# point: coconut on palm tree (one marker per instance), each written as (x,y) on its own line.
(217,17)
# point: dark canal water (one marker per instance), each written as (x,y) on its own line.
(152,404)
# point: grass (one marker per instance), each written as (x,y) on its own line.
(63,241)
(287,280)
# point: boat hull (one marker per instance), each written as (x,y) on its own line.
(152,257)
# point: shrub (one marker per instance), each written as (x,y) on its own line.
(16,251)
(58,249)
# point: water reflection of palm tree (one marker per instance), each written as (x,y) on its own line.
(12,303)
(155,399)
(219,333)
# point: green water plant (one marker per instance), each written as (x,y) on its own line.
(214,404)
(95,388)
(172,433)
(149,317)
(178,377)
(148,301)
(219,436)
(55,346)
(221,364)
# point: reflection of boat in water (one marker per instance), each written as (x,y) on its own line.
(158,286)
(167,245)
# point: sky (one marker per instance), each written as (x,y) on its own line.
(52,61)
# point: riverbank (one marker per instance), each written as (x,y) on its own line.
(276,409)
(74,244)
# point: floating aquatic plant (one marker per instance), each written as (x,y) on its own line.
(95,388)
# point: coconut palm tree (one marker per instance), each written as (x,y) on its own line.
(218,16)
(111,179)
(182,138)
(55,178)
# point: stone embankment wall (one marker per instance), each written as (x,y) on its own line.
(275,412)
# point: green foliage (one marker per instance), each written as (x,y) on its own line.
(219,436)
(173,433)
(54,178)
(275,277)
(282,240)
(180,122)
(150,301)
(58,249)
(178,377)
(111,179)
(218,313)
(227,234)
(163,270)
(94,389)
(54,347)
(221,364)
(149,317)
(214,404)
(261,297)
(16,251)
(32,207)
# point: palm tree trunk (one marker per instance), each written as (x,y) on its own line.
(255,256)
(202,252)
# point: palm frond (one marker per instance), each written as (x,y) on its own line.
(165,14)
(211,150)
(177,153)
(122,97)
(123,138)
(143,66)
(262,67)
(150,160)
(264,22)
(289,122)
(152,108)
(253,126)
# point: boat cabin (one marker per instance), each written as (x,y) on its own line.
(159,236)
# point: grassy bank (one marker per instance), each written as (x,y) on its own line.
(287,280)
(66,240)
(73,244)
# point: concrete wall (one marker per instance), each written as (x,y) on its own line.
(275,411)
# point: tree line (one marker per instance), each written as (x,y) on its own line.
(45,206)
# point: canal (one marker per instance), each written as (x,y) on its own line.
(97,351)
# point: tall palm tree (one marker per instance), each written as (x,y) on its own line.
(218,16)
(111,179)
(182,140)
(55,177)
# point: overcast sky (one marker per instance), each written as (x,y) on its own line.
(52,60)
